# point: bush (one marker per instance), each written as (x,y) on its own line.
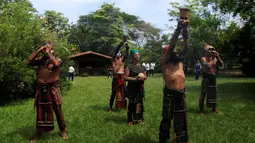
(85,74)
(20,35)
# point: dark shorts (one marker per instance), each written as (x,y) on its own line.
(135,92)
(168,104)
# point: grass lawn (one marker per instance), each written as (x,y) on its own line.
(85,109)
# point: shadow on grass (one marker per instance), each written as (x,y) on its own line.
(193,110)
(133,138)
(116,119)
(28,132)
(104,108)
(235,90)
(240,90)
(228,91)
(99,107)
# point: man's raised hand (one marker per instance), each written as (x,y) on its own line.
(182,23)
(41,48)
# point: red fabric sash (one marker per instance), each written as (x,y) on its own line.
(45,117)
(120,98)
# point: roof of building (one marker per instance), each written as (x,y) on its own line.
(87,53)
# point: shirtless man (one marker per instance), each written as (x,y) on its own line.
(208,85)
(174,104)
(118,83)
(48,97)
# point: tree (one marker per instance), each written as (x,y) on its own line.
(103,29)
(56,22)
(206,26)
(240,42)
(21,33)
(99,31)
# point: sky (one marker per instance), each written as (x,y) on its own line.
(153,11)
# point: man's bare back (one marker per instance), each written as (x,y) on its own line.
(118,65)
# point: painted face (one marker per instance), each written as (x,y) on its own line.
(207,53)
(136,56)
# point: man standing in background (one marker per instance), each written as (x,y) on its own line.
(109,72)
(143,64)
(198,67)
(152,66)
(210,61)
(147,66)
(71,73)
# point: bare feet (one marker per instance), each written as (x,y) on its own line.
(219,112)
(141,122)
(64,135)
(32,141)
(36,137)
(110,110)
(130,123)
(202,113)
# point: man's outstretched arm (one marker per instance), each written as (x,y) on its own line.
(31,59)
(172,44)
(185,36)
(127,51)
(219,60)
(116,50)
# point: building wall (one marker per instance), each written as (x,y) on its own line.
(76,67)
(92,64)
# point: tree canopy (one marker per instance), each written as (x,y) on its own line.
(228,25)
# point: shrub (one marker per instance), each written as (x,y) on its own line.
(20,35)
(85,74)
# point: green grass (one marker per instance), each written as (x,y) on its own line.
(85,109)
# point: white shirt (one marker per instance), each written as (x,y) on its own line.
(147,66)
(71,69)
(152,66)
(143,64)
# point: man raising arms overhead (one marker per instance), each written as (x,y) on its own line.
(48,96)
(174,105)
(118,83)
